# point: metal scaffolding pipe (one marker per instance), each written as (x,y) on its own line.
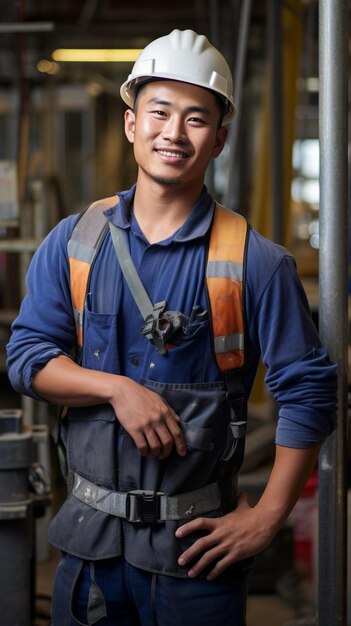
(276,118)
(333,60)
(19,245)
(27,27)
(233,134)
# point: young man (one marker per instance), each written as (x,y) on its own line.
(152,531)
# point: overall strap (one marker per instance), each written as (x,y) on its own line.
(224,276)
(150,312)
(86,239)
(225,283)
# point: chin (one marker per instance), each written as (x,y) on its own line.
(161,180)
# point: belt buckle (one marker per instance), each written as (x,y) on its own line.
(143,507)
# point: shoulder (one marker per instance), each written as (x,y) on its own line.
(53,248)
(262,249)
(63,229)
(264,259)
(270,276)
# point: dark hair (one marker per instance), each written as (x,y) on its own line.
(221,106)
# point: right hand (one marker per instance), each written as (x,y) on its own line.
(148,419)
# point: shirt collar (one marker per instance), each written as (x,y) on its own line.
(196,225)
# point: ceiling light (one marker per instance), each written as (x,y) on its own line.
(312,84)
(94,89)
(48,67)
(96,55)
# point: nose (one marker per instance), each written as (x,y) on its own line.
(174,129)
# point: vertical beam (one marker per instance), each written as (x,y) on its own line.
(277,132)
(230,198)
(214,17)
(333,21)
(275,52)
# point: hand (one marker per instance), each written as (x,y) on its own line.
(152,424)
(230,538)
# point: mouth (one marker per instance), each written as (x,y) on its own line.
(172,154)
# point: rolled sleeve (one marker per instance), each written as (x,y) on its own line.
(306,393)
(44,328)
(300,374)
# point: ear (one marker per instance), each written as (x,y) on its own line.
(221,137)
(129,124)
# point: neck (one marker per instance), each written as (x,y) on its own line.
(162,209)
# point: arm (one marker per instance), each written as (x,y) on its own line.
(39,364)
(152,424)
(303,381)
(248,530)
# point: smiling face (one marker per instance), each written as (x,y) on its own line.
(175,131)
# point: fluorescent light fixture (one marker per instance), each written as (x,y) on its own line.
(96,55)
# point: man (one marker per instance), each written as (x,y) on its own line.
(150,408)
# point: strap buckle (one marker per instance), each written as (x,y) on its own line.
(143,507)
(150,328)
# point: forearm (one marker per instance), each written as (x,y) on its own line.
(64,382)
(248,530)
(151,423)
(291,470)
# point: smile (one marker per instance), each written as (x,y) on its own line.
(170,153)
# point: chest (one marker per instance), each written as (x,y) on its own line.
(174,273)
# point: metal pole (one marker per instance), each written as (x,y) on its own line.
(333,263)
(276,117)
(233,135)
(27,27)
(214,36)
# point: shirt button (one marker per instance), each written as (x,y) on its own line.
(134,361)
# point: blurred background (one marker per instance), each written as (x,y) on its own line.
(62,146)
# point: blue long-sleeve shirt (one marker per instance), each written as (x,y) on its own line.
(279,325)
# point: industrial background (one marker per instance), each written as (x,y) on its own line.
(284,167)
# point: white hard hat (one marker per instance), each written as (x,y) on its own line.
(185,56)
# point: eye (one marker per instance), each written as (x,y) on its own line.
(159,113)
(197,121)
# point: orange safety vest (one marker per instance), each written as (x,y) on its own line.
(224,275)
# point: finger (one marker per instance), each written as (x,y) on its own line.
(219,568)
(166,441)
(154,443)
(177,435)
(171,411)
(200,546)
(204,562)
(141,443)
(200,523)
(172,422)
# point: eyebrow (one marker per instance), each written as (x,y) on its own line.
(196,108)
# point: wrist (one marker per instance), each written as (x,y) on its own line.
(272,511)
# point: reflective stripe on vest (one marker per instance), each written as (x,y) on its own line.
(82,249)
(224,275)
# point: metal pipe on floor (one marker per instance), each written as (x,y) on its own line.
(333,264)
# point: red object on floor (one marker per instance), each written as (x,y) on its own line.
(303,518)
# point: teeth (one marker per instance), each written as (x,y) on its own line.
(172,154)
